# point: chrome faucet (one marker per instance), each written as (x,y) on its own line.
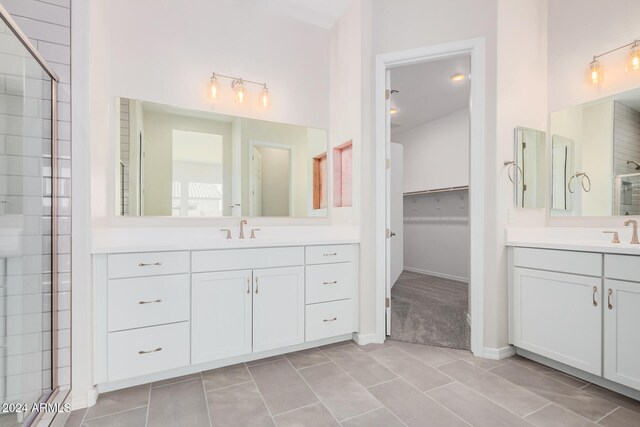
(242,224)
(634,237)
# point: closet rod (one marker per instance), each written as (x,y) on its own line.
(438,190)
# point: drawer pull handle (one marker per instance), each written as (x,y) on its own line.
(149,302)
(595,291)
(147,264)
(333,254)
(330,320)
(609,299)
(150,351)
(335,282)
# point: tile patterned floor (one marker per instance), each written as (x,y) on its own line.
(391,384)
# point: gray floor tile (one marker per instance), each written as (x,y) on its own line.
(362,367)
(480,362)
(410,405)
(336,344)
(119,400)
(281,386)
(426,353)
(621,417)
(310,416)
(265,360)
(379,418)
(178,404)
(495,388)
(556,416)
(340,393)
(578,401)
(133,418)
(75,418)
(225,377)
(612,396)
(411,369)
(373,347)
(239,405)
(557,375)
(176,380)
(474,408)
(306,358)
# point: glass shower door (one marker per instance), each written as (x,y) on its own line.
(25,231)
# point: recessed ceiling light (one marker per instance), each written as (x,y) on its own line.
(393,110)
(458,77)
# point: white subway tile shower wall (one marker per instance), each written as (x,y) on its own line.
(626,138)
(48,25)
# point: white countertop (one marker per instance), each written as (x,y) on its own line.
(573,239)
(158,239)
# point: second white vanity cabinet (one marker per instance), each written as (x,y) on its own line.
(622,319)
(581,309)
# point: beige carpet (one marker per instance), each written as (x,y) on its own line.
(430,310)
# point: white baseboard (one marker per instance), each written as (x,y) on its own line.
(499,353)
(433,273)
(364,339)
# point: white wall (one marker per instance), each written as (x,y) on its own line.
(436,154)
(171,51)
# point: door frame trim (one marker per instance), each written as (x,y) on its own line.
(475,48)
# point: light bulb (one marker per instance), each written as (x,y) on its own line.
(458,77)
(265,100)
(239,90)
(595,71)
(393,110)
(634,58)
(214,88)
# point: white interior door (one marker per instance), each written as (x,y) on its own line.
(256,194)
(388,204)
(396,212)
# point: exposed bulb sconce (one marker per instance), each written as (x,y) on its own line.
(239,88)
(596,74)
(458,77)
(393,110)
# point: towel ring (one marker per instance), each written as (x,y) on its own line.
(582,176)
(512,165)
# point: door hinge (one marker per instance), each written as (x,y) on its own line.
(524,145)
(387,164)
(524,187)
(387,302)
(387,94)
(388,233)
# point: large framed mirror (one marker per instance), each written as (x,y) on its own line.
(184,163)
(595,157)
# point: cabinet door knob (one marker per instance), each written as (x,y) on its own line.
(595,291)
(609,299)
(150,351)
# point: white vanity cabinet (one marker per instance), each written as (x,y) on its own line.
(163,314)
(581,309)
(622,320)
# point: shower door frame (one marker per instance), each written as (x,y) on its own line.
(33,419)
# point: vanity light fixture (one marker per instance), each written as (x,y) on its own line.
(596,75)
(239,88)
(458,77)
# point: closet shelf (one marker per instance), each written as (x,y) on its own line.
(437,190)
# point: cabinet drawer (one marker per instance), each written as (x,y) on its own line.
(330,319)
(147,301)
(246,259)
(585,263)
(329,254)
(147,264)
(147,350)
(622,267)
(329,282)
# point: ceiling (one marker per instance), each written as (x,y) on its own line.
(322,13)
(426,92)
